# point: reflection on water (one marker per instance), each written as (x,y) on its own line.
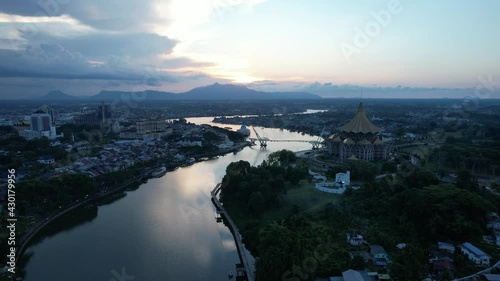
(165,230)
(67,222)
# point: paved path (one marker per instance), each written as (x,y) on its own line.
(237,237)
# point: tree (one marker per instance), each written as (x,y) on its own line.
(282,158)
(256,202)
(30,155)
(210,137)
(358,263)
(235,136)
(466,181)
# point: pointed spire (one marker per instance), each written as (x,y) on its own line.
(360,123)
(360,107)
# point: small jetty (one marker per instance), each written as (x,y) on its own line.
(243,270)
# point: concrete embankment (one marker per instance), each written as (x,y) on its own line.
(237,237)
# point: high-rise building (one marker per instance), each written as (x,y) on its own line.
(147,130)
(49,111)
(101,117)
(41,126)
(40,121)
(150,126)
(104,113)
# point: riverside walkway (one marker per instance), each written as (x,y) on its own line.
(25,239)
(237,238)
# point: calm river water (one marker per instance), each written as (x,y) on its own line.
(163,230)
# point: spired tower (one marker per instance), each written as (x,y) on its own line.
(358,139)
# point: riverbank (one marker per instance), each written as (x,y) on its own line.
(145,174)
(168,241)
(248,269)
(26,238)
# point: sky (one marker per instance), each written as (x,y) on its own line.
(386,48)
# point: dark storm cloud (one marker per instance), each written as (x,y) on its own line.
(108,14)
(54,61)
(98,45)
(22,8)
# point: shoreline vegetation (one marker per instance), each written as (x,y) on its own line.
(60,195)
(296,232)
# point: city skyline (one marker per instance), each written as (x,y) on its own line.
(404,49)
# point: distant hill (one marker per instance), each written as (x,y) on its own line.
(227,91)
(137,96)
(212,92)
(57,95)
(220,92)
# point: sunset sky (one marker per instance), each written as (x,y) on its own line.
(447,48)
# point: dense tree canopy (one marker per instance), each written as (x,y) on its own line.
(43,196)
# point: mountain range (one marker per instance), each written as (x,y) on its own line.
(212,92)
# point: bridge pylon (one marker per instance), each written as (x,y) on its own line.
(262,141)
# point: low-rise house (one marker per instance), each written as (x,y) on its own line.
(441,268)
(355,238)
(475,254)
(447,247)
(356,275)
(379,255)
(46,159)
(440,255)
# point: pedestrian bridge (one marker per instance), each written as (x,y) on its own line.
(264,140)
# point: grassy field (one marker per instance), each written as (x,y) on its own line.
(421,150)
(305,196)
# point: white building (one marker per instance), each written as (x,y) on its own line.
(475,254)
(30,134)
(344,178)
(47,160)
(41,126)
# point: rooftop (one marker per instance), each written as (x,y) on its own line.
(353,275)
(473,249)
(360,123)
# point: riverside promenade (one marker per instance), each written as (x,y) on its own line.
(250,275)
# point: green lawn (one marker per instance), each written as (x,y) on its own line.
(421,150)
(305,196)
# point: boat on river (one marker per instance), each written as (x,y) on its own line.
(160,172)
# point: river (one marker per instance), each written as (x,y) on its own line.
(163,230)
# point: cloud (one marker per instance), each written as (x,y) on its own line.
(103,15)
(54,61)
(330,90)
(98,45)
(182,62)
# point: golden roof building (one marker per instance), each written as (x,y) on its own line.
(358,139)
